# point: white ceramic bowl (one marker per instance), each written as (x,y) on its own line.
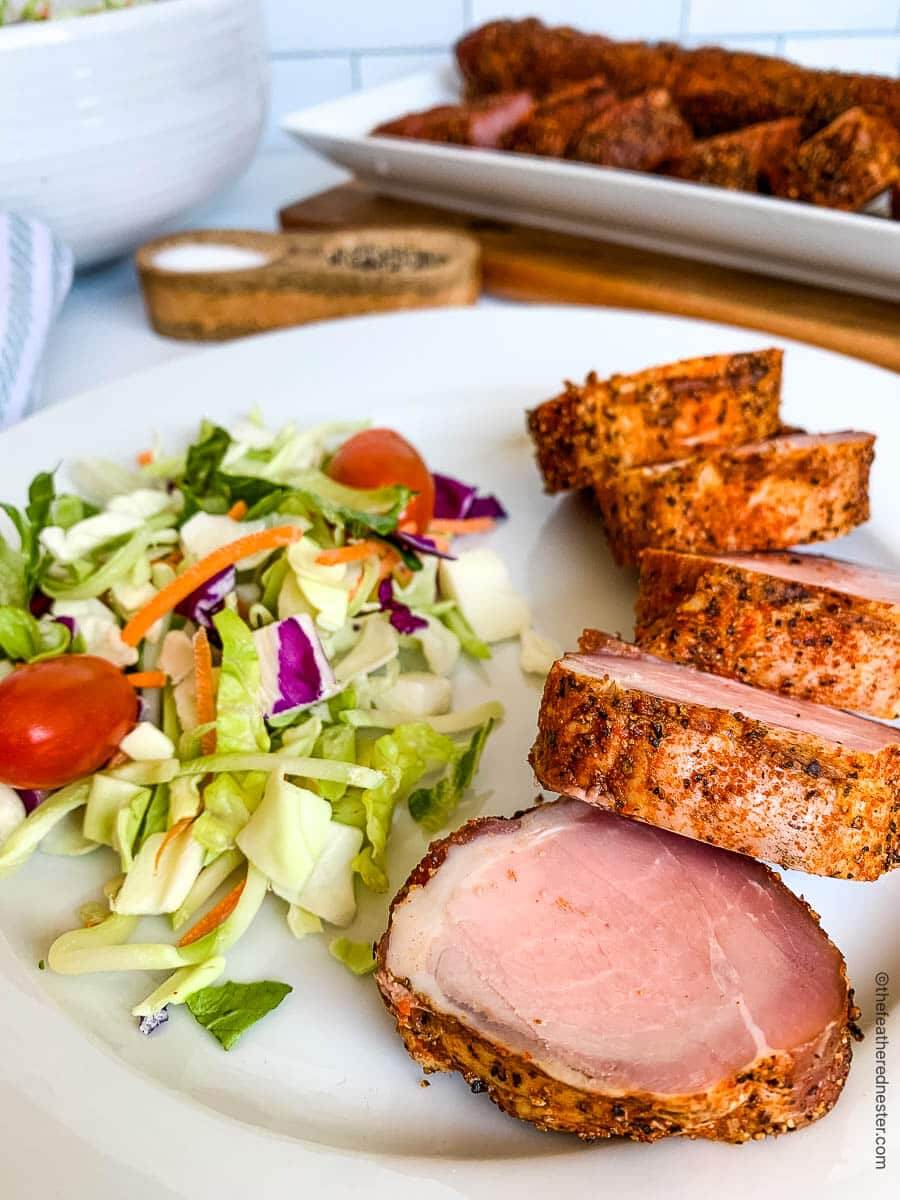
(113,124)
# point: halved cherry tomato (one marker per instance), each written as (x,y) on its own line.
(380,458)
(61,719)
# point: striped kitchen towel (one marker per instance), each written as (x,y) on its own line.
(35,276)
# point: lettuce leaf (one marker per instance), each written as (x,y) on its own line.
(434,806)
(357,511)
(20,569)
(287,833)
(227,1012)
(403,756)
(239,722)
(337,743)
(225,813)
(160,877)
(23,638)
(356,956)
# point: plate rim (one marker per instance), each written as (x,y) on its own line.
(300,1154)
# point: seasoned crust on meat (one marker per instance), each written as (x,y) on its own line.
(717,90)
(847,164)
(800,638)
(762,496)
(558,119)
(639,134)
(781,1092)
(796,799)
(745,160)
(483,123)
(661,413)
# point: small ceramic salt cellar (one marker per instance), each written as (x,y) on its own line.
(212,285)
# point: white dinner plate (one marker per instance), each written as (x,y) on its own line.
(849,251)
(321,1093)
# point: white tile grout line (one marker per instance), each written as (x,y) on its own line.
(373,52)
(685,21)
(433,48)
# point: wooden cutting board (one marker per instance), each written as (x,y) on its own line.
(522,263)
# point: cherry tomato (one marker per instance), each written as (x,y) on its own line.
(380,458)
(61,719)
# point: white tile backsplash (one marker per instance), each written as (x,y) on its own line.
(631,19)
(736,41)
(323,25)
(300,82)
(880,55)
(382,68)
(324,49)
(783,16)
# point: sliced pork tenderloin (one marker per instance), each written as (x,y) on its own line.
(766,495)
(558,119)
(790,782)
(802,624)
(602,978)
(482,123)
(662,413)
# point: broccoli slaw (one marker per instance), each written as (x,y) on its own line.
(293,641)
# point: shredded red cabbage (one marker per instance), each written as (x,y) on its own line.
(150,1024)
(32,797)
(203,604)
(69,623)
(421,545)
(458,501)
(402,618)
(39,604)
(299,674)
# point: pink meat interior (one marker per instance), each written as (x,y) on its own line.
(856,579)
(635,671)
(787,442)
(618,956)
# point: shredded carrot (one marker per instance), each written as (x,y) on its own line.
(388,562)
(403,574)
(226,556)
(238,510)
(441,542)
(148,679)
(214,918)
(203,682)
(178,827)
(467,525)
(408,527)
(350,554)
(145,458)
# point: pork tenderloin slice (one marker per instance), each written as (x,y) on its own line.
(602,978)
(765,495)
(483,123)
(664,412)
(809,626)
(795,783)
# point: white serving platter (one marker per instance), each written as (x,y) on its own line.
(850,251)
(321,1095)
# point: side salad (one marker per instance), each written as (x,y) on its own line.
(14,11)
(225,670)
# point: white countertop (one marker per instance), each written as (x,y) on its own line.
(103,334)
